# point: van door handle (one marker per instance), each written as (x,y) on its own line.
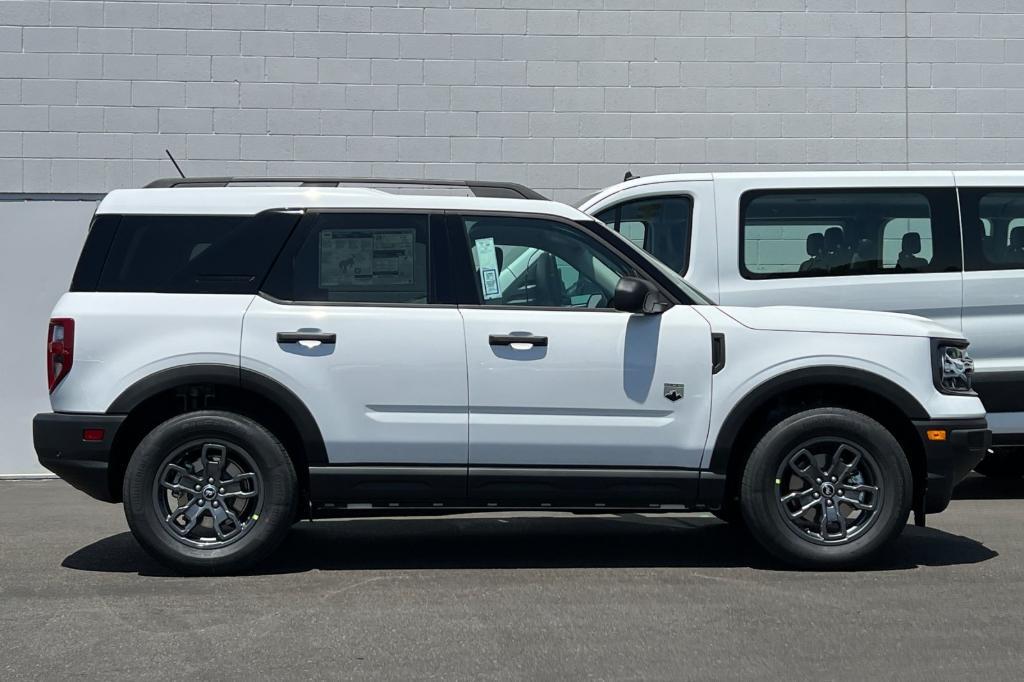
(509,339)
(296,337)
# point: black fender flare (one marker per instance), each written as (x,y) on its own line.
(806,377)
(239,377)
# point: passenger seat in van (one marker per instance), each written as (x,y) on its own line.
(837,254)
(1015,252)
(815,247)
(908,259)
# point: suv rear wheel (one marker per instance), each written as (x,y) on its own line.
(210,492)
(826,487)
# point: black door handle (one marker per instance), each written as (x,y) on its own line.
(509,339)
(295,337)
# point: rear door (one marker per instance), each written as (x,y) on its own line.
(571,401)
(353,319)
(992,208)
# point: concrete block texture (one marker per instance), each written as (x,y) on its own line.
(562,95)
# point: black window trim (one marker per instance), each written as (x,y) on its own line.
(749,195)
(648,197)
(466,284)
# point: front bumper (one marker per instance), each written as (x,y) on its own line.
(949,461)
(84,464)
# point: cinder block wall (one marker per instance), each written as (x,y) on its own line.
(563,95)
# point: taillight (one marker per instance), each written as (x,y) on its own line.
(60,349)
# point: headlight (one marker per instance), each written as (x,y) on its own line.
(953,367)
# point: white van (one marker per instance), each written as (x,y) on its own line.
(941,244)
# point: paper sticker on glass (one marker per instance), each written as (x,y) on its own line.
(488,261)
(363,258)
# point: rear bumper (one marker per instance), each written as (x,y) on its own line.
(84,464)
(949,461)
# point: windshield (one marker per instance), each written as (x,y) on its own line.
(623,244)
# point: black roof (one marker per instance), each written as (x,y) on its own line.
(494,190)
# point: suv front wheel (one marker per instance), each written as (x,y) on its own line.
(825,488)
(210,492)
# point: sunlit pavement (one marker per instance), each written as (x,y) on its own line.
(528,596)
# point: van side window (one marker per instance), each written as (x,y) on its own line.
(355,258)
(820,233)
(660,225)
(993,224)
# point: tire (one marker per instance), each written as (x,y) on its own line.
(1006,463)
(227,526)
(832,533)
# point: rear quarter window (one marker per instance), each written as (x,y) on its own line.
(187,254)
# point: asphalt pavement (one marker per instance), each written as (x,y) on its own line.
(530,596)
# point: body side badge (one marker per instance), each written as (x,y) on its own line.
(674,391)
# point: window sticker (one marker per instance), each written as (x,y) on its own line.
(361,258)
(488,268)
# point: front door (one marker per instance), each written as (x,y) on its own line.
(351,322)
(570,401)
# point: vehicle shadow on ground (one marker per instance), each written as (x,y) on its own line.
(526,542)
(977,487)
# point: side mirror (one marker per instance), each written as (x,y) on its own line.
(634,295)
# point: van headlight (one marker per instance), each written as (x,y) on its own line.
(953,367)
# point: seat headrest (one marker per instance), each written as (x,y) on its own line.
(1017,237)
(911,243)
(834,238)
(865,247)
(815,243)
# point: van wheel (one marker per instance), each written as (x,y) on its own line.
(1004,463)
(826,488)
(210,492)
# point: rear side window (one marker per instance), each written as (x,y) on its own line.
(820,233)
(190,254)
(993,224)
(355,258)
(660,225)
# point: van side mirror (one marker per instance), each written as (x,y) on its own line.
(635,295)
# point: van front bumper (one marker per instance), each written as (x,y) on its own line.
(950,459)
(85,464)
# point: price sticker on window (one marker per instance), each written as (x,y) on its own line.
(488,263)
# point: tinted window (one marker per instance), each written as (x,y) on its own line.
(540,263)
(993,224)
(660,225)
(355,258)
(848,232)
(193,254)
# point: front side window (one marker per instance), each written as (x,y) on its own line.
(816,233)
(355,258)
(993,225)
(540,263)
(660,225)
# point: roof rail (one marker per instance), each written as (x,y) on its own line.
(479,188)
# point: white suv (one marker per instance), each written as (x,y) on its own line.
(230,360)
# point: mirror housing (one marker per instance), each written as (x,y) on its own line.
(634,295)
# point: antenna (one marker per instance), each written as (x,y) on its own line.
(628,176)
(176,166)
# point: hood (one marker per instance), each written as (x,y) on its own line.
(837,321)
